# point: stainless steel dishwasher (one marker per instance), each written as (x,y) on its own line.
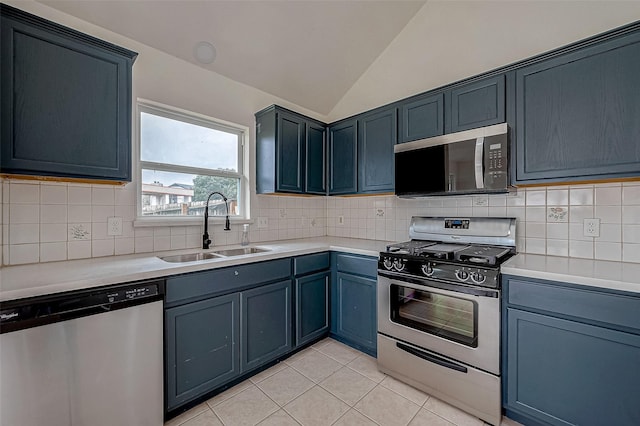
(89,357)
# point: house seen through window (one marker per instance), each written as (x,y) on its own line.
(183,158)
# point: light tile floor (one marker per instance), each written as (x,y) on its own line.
(326,384)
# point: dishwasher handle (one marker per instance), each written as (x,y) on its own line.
(41,310)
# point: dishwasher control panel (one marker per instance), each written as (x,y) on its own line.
(25,313)
(132,293)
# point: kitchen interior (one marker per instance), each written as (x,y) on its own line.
(530,257)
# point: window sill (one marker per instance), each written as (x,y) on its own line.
(142,222)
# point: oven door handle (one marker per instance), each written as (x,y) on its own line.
(432,358)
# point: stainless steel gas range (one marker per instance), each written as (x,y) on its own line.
(439,310)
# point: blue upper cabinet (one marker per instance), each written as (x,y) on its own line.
(421,117)
(66,101)
(577,114)
(316,159)
(343,166)
(377,136)
(290,153)
(477,104)
(290,149)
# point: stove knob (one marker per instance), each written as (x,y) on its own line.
(388,263)
(398,264)
(427,269)
(462,275)
(478,278)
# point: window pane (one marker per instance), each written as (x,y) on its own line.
(163,140)
(180,194)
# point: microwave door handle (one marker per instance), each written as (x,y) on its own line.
(479,163)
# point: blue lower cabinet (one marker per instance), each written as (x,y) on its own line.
(570,354)
(265,324)
(202,350)
(353,307)
(564,372)
(312,307)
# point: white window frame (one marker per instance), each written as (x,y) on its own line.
(199,120)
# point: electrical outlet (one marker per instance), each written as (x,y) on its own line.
(340,220)
(591,227)
(114,225)
(263,222)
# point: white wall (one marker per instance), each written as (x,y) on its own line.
(448,41)
(35,222)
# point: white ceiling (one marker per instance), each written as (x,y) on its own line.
(309,53)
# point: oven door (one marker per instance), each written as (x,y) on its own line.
(463,325)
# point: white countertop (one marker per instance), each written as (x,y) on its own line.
(595,273)
(17,282)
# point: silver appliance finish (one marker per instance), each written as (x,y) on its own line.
(485,357)
(473,390)
(104,369)
(497,231)
(479,133)
(481,162)
(464,375)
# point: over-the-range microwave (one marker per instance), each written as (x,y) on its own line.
(469,162)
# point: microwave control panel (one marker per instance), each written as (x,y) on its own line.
(496,174)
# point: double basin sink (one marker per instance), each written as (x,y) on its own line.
(218,254)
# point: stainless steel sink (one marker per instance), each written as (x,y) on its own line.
(240,251)
(191,257)
(219,254)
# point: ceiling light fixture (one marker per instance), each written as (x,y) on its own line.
(204,52)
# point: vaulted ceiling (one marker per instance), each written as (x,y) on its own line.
(307,52)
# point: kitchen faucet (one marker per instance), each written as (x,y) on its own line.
(205,237)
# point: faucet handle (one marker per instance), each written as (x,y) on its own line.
(205,241)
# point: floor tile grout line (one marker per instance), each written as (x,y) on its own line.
(277,405)
(217,416)
(370,378)
(192,417)
(347,412)
(414,416)
(359,399)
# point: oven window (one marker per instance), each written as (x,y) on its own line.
(452,318)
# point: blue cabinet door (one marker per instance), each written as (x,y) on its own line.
(291,153)
(312,307)
(577,114)
(354,313)
(316,159)
(564,372)
(265,324)
(377,135)
(477,104)
(421,117)
(290,145)
(202,347)
(66,101)
(343,159)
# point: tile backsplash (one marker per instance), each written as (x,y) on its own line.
(50,221)
(550,219)
(46,221)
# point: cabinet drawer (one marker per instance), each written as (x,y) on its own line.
(354,264)
(311,263)
(223,280)
(616,309)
